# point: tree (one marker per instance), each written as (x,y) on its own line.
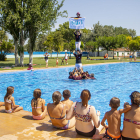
(104,42)
(132,32)
(39,44)
(49,43)
(72,46)
(3,36)
(13,17)
(5,47)
(113,43)
(42,16)
(134,45)
(58,41)
(90,46)
(68,35)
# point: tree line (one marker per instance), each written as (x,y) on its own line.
(33,20)
(108,37)
(26,19)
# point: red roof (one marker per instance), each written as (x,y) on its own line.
(122,50)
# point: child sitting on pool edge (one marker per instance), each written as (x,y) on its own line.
(39,109)
(10,106)
(113,117)
(67,101)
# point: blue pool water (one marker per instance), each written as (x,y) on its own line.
(117,80)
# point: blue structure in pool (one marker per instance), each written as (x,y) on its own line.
(113,80)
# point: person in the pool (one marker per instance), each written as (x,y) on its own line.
(57,113)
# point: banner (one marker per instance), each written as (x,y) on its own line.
(76,23)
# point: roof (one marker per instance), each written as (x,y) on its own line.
(122,50)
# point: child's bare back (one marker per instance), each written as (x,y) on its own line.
(114,119)
(67,101)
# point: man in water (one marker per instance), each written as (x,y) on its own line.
(78,56)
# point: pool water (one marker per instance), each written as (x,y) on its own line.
(113,80)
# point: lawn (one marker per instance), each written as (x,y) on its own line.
(40,62)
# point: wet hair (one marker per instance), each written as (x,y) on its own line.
(115,102)
(85,96)
(10,91)
(135,97)
(66,94)
(56,97)
(37,95)
(92,75)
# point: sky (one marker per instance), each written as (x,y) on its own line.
(124,13)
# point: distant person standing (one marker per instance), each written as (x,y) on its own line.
(130,56)
(62,62)
(46,59)
(66,58)
(57,62)
(134,57)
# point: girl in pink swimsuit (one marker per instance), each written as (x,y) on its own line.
(10,106)
(38,106)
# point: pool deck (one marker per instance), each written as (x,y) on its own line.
(21,126)
(10,70)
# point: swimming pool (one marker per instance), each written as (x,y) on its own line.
(117,80)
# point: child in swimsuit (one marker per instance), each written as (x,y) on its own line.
(113,117)
(62,61)
(57,113)
(10,106)
(30,67)
(131,123)
(38,106)
(57,62)
(67,101)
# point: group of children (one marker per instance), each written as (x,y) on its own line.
(113,116)
(79,74)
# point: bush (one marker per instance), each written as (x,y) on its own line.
(2,57)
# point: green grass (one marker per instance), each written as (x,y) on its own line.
(52,62)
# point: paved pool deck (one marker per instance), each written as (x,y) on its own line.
(21,126)
(10,70)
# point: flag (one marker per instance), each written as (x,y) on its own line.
(76,23)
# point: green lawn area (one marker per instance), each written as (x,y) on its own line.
(40,62)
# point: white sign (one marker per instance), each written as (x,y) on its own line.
(76,23)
